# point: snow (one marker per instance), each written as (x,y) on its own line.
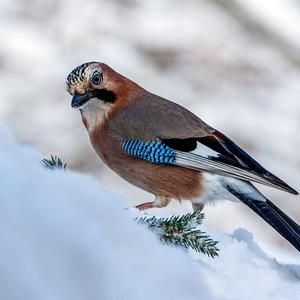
(245,271)
(64,237)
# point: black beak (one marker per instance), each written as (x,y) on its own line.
(79,100)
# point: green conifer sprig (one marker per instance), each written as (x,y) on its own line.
(54,162)
(182,231)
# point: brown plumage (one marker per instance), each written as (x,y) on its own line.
(162,181)
(163,148)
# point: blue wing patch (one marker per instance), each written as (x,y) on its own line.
(155,152)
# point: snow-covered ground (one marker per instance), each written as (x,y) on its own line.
(233,63)
(64,237)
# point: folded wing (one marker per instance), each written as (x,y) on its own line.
(195,144)
(217,154)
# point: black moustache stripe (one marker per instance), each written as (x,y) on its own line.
(104,95)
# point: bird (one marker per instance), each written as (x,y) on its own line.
(165,149)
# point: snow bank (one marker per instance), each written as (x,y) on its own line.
(245,271)
(63,237)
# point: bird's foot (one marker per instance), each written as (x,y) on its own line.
(146,205)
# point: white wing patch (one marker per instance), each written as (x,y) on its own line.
(205,151)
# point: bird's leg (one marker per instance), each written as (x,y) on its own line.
(160,201)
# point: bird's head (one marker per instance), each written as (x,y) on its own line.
(97,89)
(89,81)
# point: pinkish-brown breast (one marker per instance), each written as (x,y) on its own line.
(161,180)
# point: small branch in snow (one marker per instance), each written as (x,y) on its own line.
(54,162)
(182,231)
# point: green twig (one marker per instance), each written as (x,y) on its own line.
(54,162)
(182,231)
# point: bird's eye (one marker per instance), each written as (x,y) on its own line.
(96,79)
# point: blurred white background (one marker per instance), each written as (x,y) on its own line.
(236,64)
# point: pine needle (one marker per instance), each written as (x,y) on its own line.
(54,162)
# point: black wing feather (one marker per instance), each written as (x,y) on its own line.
(229,153)
(246,160)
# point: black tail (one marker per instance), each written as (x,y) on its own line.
(282,223)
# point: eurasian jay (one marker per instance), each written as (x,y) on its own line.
(163,148)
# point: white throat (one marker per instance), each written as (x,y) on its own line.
(95,112)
